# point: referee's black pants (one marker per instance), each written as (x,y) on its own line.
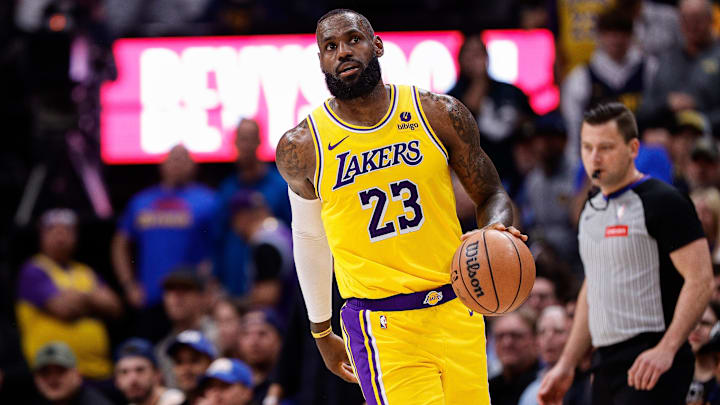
(610,365)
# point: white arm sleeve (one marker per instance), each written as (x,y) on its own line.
(313,259)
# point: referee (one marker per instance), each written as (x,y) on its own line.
(648,276)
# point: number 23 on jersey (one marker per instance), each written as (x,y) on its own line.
(377,199)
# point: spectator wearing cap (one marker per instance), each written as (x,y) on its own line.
(61,299)
(617,71)
(138,378)
(58,379)
(186,307)
(226,382)
(191,354)
(252,175)
(169,225)
(260,344)
(548,189)
(689,126)
(703,171)
(270,265)
(705,343)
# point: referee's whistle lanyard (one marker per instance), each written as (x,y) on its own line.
(593,190)
(591,194)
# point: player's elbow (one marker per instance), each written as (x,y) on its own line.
(308,235)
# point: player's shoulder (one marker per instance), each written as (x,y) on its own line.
(297,138)
(435,102)
(299,133)
(295,156)
(448,116)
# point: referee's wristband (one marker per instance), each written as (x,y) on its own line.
(320,335)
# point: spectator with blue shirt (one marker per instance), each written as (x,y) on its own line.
(252,175)
(169,225)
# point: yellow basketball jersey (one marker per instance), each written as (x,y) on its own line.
(387,200)
(87,336)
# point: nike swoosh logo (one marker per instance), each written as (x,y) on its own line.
(331,147)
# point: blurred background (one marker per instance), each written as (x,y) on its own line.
(138,146)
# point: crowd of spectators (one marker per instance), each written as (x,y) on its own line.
(184,292)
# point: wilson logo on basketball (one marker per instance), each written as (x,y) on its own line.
(433,297)
(616,231)
(472,265)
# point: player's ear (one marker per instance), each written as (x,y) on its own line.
(379,47)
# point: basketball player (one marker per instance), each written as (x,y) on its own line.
(371,196)
(648,276)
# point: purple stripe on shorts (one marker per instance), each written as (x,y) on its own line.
(373,356)
(405,302)
(351,319)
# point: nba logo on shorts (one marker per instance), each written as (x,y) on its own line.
(432,298)
(383,322)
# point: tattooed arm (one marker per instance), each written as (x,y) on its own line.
(457,129)
(295,159)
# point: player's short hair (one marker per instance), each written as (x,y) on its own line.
(613,111)
(364,22)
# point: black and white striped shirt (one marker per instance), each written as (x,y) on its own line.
(625,243)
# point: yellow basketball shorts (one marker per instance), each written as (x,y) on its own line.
(420,348)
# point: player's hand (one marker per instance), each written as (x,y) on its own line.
(555,384)
(649,366)
(499,227)
(332,349)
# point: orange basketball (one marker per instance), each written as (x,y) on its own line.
(493,272)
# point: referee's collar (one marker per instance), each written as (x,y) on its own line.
(626,188)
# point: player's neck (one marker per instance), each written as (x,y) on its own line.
(367,110)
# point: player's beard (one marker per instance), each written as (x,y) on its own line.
(365,83)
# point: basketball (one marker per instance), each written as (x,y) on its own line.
(493,272)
